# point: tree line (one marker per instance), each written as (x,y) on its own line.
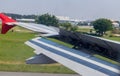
(51,20)
(100,25)
(19,16)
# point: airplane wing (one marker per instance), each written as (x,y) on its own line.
(78,61)
(50,52)
(8,23)
(40,28)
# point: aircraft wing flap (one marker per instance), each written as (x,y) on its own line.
(46,30)
(75,60)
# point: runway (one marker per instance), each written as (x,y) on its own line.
(33,74)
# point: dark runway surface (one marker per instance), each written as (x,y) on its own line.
(33,74)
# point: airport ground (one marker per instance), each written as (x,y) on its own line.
(33,74)
(13,53)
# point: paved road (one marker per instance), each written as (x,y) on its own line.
(32,74)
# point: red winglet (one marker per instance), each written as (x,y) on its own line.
(5,19)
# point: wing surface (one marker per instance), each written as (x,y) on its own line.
(82,63)
(8,23)
(43,29)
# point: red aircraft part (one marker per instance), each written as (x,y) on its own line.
(5,19)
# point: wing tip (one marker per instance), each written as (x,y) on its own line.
(5,26)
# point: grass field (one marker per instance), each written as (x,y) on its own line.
(107,59)
(85,29)
(13,53)
(113,38)
(61,42)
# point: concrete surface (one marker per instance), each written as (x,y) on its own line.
(33,74)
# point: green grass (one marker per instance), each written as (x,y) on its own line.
(84,30)
(12,46)
(113,38)
(13,53)
(61,42)
(108,60)
(35,68)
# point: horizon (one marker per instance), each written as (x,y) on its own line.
(76,9)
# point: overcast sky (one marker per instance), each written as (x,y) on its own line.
(80,9)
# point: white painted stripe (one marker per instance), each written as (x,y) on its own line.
(80,57)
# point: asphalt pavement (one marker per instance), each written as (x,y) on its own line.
(33,74)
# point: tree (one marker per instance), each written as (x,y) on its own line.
(47,19)
(102,25)
(66,25)
(18,16)
(74,28)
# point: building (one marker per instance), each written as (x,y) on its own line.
(63,19)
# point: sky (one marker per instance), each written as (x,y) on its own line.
(77,9)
